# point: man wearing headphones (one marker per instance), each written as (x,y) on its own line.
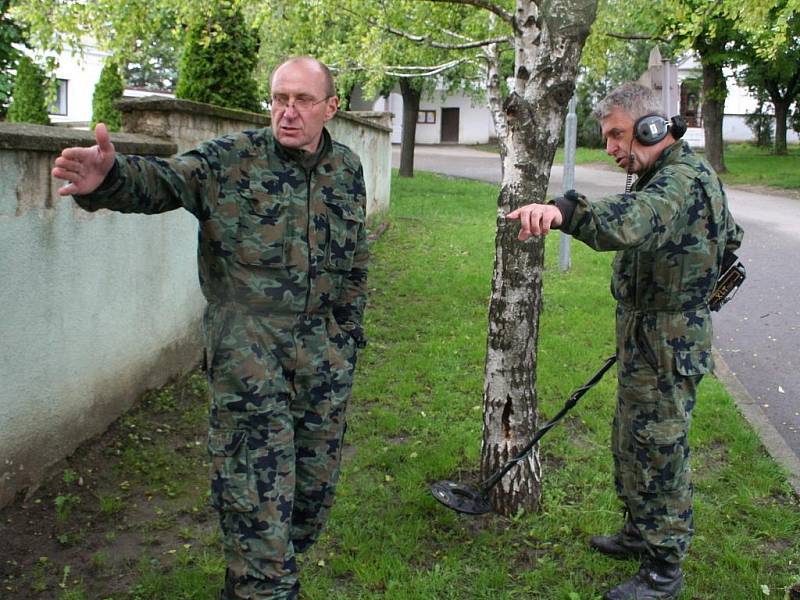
(670,233)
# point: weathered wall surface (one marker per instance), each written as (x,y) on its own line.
(96,308)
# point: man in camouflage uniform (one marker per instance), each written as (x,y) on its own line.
(670,233)
(283,264)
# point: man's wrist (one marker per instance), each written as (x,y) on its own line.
(566,206)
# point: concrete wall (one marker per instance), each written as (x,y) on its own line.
(99,307)
(367,133)
(96,308)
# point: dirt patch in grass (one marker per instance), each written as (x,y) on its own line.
(135,495)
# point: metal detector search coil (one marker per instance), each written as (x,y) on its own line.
(472,500)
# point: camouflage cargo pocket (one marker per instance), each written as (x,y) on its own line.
(233,485)
(261,233)
(344,219)
(660,456)
(693,362)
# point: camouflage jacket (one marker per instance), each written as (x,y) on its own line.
(279,234)
(671,232)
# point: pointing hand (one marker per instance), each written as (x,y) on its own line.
(535,219)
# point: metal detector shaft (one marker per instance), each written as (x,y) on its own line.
(573,400)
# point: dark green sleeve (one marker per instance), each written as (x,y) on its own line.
(633,219)
(150,185)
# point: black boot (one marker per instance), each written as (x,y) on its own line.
(628,543)
(656,580)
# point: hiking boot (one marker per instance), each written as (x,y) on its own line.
(628,543)
(656,580)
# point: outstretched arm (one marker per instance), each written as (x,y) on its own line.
(85,168)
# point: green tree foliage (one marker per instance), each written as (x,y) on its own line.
(153,65)
(28,104)
(623,61)
(773,71)
(219,60)
(108,89)
(402,45)
(10,33)
(760,123)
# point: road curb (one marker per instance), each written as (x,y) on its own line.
(772,440)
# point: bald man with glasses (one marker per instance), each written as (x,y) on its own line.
(282,260)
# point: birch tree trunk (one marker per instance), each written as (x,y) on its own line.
(548,40)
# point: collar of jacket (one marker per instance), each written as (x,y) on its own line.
(304,159)
(669,155)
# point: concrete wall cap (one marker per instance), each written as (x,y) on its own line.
(365,118)
(46,138)
(162,104)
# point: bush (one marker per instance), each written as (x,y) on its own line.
(28,104)
(760,123)
(794,119)
(108,89)
(218,61)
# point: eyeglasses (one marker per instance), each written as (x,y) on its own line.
(301,104)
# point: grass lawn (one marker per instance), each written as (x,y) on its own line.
(750,165)
(145,532)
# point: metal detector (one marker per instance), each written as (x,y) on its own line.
(472,500)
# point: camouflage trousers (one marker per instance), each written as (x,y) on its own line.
(279,390)
(649,439)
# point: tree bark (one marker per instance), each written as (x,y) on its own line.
(547,48)
(781,114)
(714,93)
(409,138)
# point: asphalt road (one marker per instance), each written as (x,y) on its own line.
(757,335)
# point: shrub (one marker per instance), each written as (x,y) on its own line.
(760,123)
(218,61)
(28,104)
(108,89)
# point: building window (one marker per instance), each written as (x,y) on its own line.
(426,116)
(59,105)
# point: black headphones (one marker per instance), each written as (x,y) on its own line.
(651,129)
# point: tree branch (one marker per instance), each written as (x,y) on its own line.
(637,36)
(486,5)
(421,71)
(426,39)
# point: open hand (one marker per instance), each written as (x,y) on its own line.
(85,168)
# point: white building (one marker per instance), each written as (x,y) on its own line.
(77,77)
(443,118)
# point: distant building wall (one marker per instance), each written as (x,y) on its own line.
(99,307)
(475,125)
